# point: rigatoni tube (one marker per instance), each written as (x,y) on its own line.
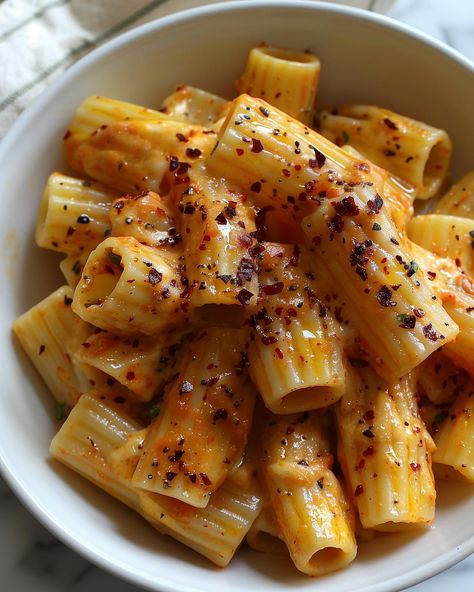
(74,215)
(286,79)
(204,421)
(295,348)
(147,217)
(385,451)
(314,517)
(50,334)
(459,200)
(193,105)
(141,364)
(455,438)
(410,149)
(130,288)
(446,236)
(217,226)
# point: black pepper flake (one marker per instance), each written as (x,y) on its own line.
(67,300)
(375,205)
(170,475)
(193,152)
(368,434)
(83,219)
(181,137)
(384,296)
(412,269)
(303,462)
(256,187)
(264,111)
(376,226)
(185,388)
(389,152)
(220,414)
(41,349)
(154,276)
(272,289)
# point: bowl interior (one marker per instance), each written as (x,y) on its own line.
(364,59)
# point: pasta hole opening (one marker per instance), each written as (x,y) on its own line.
(218,315)
(268,543)
(330,556)
(311,397)
(288,56)
(105,279)
(435,168)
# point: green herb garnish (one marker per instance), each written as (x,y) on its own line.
(154,411)
(345,137)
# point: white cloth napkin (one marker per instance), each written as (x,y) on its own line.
(39,39)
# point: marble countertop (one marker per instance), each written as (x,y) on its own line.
(32,559)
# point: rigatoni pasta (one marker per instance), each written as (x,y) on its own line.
(222,255)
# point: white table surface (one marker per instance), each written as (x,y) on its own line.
(31,559)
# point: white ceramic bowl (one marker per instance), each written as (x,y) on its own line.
(364,58)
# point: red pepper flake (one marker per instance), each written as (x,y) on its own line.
(268,340)
(431,275)
(279,353)
(245,270)
(185,388)
(256,187)
(221,219)
(320,157)
(361,464)
(430,333)
(130,375)
(264,111)
(272,289)
(86,344)
(154,276)
(369,415)
(406,321)
(347,207)
(368,451)
(205,479)
(220,414)
(193,152)
(244,296)
(389,123)
(384,296)
(361,272)
(239,151)
(375,205)
(419,312)
(181,137)
(389,152)
(336,224)
(316,240)
(359,490)
(256,146)
(415,466)
(67,135)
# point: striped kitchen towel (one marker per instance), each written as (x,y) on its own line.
(40,38)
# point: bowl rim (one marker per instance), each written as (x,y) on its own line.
(48,520)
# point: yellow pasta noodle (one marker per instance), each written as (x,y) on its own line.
(204,421)
(71,267)
(264,536)
(446,236)
(74,215)
(91,441)
(286,79)
(440,380)
(296,351)
(193,105)
(130,288)
(141,364)
(412,150)
(147,217)
(217,227)
(50,333)
(455,438)
(385,451)
(313,515)
(459,200)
